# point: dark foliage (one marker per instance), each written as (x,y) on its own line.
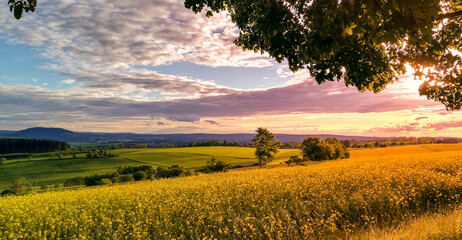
(77,181)
(294,159)
(6,193)
(126,178)
(173,171)
(216,166)
(24,145)
(213,143)
(316,149)
(20,6)
(93,180)
(105,181)
(149,170)
(365,43)
(140,176)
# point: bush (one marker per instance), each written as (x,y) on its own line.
(92,180)
(217,166)
(74,182)
(105,181)
(20,186)
(140,175)
(174,171)
(126,178)
(316,149)
(294,159)
(2,160)
(340,151)
(115,179)
(44,186)
(149,170)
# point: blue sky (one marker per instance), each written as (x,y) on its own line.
(106,66)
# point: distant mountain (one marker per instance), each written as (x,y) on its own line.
(52,134)
(6,133)
(92,137)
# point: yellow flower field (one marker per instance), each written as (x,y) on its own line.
(331,199)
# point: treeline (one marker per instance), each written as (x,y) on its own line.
(130,174)
(398,141)
(212,143)
(24,145)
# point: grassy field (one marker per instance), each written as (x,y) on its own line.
(42,169)
(390,193)
(196,157)
(56,171)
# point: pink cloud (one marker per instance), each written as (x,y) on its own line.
(421,118)
(443,125)
(411,127)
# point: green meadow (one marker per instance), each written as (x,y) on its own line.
(196,157)
(51,170)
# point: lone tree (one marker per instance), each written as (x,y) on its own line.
(364,42)
(267,146)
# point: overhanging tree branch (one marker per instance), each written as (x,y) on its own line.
(449,15)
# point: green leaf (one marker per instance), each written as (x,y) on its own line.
(18,11)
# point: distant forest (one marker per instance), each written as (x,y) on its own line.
(22,145)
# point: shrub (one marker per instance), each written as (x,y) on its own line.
(294,159)
(140,175)
(2,160)
(115,179)
(105,181)
(20,186)
(217,166)
(316,149)
(92,180)
(74,182)
(126,178)
(340,151)
(149,170)
(174,171)
(44,186)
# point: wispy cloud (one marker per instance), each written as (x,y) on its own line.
(443,125)
(397,128)
(421,118)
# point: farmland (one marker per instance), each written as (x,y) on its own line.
(377,191)
(195,157)
(50,170)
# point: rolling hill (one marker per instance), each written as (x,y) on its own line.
(177,139)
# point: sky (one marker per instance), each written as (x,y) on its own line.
(148,66)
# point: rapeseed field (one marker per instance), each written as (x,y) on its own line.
(334,199)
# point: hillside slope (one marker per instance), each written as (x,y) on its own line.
(329,200)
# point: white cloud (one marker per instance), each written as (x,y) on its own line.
(68,81)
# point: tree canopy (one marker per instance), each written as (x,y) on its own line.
(366,43)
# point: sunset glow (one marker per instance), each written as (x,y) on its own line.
(168,70)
